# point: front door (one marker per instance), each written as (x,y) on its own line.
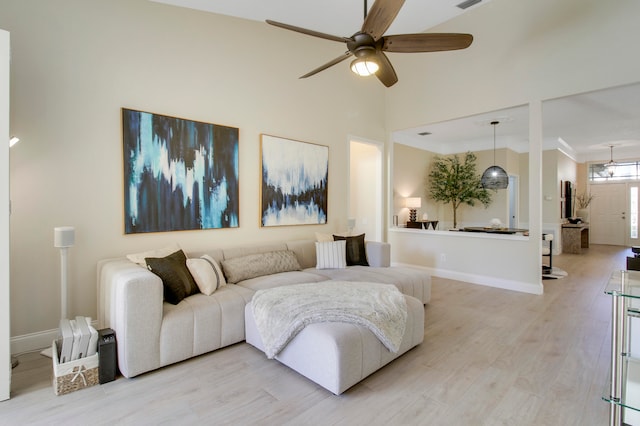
(608,217)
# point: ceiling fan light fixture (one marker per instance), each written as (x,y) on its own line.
(365,66)
(369,44)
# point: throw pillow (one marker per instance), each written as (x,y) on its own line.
(176,278)
(255,265)
(207,274)
(331,255)
(356,252)
(162,252)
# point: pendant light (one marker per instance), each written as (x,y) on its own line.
(495,177)
(610,167)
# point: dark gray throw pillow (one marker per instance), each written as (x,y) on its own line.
(177,281)
(356,252)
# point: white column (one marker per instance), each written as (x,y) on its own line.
(535,178)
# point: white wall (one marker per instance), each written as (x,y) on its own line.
(76,63)
(5,361)
(467,256)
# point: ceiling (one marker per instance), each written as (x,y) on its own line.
(336,17)
(583,126)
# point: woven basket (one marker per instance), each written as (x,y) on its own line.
(74,375)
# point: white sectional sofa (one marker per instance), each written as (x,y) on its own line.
(152,333)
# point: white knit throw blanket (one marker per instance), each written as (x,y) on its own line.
(282,312)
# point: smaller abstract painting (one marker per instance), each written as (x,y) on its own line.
(294,182)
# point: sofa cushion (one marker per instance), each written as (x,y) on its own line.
(331,255)
(281,279)
(356,253)
(176,278)
(207,274)
(256,265)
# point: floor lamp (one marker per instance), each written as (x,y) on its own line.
(63,238)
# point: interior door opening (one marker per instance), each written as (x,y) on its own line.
(365,189)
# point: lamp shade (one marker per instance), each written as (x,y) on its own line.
(495,178)
(364,67)
(413,202)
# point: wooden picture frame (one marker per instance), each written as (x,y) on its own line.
(293,182)
(178,174)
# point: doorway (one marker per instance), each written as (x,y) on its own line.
(365,188)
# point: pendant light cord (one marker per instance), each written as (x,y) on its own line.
(494,124)
(611,161)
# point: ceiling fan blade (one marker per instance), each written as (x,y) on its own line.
(426,42)
(331,63)
(386,74)
(307,32)
(380,17)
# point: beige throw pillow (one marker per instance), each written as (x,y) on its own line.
(207,274)
(139,258)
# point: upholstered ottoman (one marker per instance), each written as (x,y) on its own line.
(338,355)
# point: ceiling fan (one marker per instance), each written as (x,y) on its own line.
(369,44)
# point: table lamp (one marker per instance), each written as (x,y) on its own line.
(413,203)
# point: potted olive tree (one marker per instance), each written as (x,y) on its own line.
(455,181)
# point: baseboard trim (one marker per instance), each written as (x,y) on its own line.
(37,341)
(32,342)
(520,286)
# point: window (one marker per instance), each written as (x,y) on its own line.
(633,212)
(624,171)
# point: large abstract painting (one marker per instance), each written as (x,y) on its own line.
(178,174)
(294,182)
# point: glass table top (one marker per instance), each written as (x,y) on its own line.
(624,283)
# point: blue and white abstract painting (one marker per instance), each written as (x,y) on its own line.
(294,182)
(178,174)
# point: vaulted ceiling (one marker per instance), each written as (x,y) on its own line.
(583,126)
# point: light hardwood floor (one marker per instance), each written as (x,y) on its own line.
(490,357)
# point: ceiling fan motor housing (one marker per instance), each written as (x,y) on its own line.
(361,44)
